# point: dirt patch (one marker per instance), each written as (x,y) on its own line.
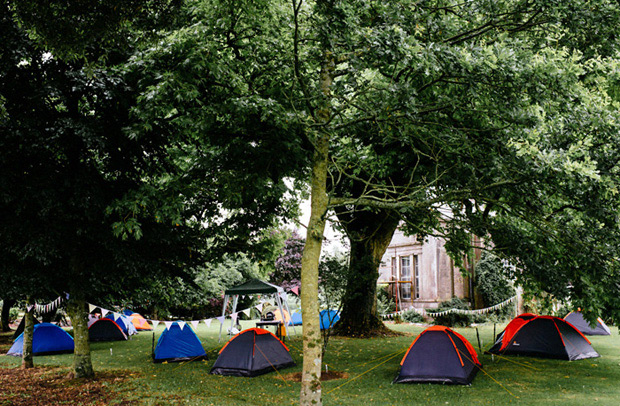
(325,376)
(51,386)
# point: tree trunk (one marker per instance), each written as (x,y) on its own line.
(77,309)
(27,356)
(370,234)
(312,349)
(4,317)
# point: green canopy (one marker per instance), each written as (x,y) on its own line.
(252,287)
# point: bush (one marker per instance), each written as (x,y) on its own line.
(493,286)
(385,304)
(454,319)
(13,314)
(412,316)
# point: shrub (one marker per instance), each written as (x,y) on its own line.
(412,316)
(454,319)
(493,286)
(385,304)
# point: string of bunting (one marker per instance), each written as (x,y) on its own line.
(182,324)
(423,312)
(46,308)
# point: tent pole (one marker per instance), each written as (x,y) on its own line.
(279,301)
(234,310)
(289,313)
(223,315)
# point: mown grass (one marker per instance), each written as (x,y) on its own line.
(372,365)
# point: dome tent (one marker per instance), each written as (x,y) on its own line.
(106,330)
(250,353)
(140,322)
(47,339)
(543,336)
(124,323)
(328,317)
(178,344)
(439,355)
(581,324)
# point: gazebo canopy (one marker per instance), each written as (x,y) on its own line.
(252,287)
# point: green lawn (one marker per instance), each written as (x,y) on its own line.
(515,380)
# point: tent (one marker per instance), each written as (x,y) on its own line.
(92,318)
(106,330)
(439,355)
(20,327)
(140,322)
(178,344)
(47,339)
(543,336)
(124,323)
(255,287)
(581,324)
(252,352)
(127,312)
(295,319)
(329,318)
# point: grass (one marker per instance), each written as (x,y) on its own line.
(371,364)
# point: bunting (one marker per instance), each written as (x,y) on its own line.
(181,324)
(208,322)
(155,323)
(456,311)
(168,324)
(194,323)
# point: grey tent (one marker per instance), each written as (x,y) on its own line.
(581,324)
(255,287)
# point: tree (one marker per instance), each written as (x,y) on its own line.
(454,117)
(287,268)
(98,198)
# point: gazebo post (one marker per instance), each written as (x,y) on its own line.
(223,315)
(234,310)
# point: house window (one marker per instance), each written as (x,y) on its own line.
(405,268)
(405,290)
(416,264)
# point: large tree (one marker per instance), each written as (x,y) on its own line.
(93,198)
(455,117)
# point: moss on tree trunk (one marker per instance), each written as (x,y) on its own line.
(370,234)
(27,356)
(82,365)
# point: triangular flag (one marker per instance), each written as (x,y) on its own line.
(234,317)
(29,308)
(104,312)
(221,319)
(295,290)
(168,324)
(246,312)
(251,297)
(181,324)
(195,323)
(259,307)
(117,315)
(208,322)
(155,323)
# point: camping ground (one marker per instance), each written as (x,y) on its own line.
(370,364)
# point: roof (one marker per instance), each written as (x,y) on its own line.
(253,286)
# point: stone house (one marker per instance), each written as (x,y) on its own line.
(421,274)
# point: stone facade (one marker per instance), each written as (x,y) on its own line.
(420,273)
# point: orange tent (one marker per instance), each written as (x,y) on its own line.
(140,322)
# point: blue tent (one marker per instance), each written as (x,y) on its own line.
(127,312)
(176,344)
(295,319)
(329,318)
(47,339)
(124,323)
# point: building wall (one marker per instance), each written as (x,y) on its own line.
(437,280)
